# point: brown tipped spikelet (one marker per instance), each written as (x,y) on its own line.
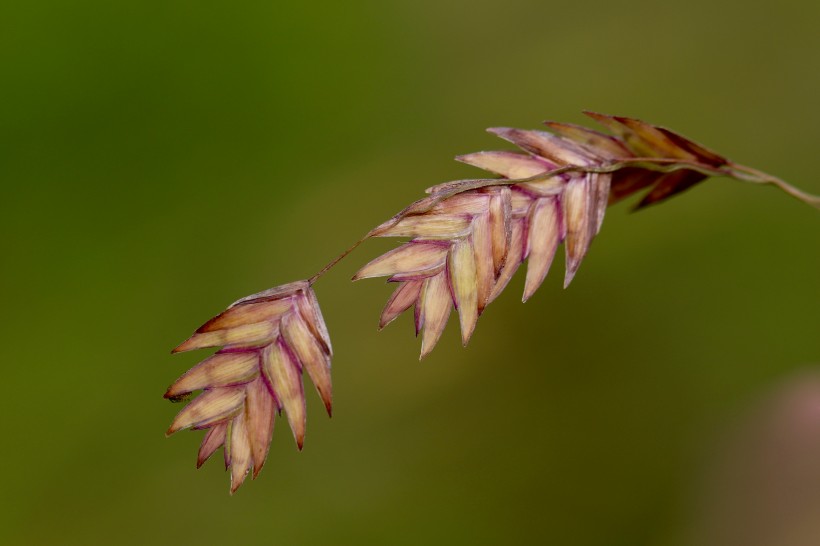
(465,241)
(267,340)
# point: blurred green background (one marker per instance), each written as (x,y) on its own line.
(162,159)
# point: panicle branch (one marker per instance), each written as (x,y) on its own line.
(464,242)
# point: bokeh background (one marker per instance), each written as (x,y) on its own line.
(161,159)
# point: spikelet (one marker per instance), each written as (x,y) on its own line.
(464,250)
(267,340)
(456,250)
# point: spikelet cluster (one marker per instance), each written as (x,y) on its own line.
(267,340)
(464,248)
(466,240)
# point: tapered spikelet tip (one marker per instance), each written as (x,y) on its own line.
(569,275)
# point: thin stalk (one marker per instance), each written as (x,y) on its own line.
(336,260)
(748,174)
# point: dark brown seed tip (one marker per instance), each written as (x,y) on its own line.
(176,398)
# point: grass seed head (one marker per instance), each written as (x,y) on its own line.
(466,240)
